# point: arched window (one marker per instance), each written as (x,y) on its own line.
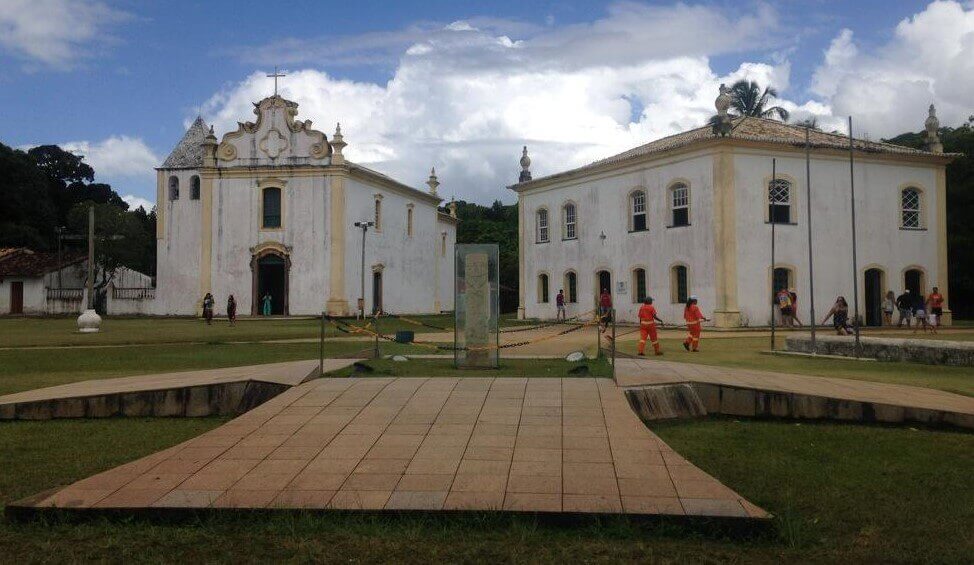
(409,220)
(910,209)
(542,225)
(271,207)
(571,285)
(569,219)
(639,285)
(194,188)
(173,188)
(378,213)
(543,288)
(679,283)
(679,205)
(779,201)
(637,211)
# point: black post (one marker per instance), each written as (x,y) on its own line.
(613,344)
(321,347)
(772,208)
(855,261)
(808,208)
(376,352)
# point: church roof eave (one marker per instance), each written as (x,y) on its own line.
(393,183)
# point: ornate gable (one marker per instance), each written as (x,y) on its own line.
(276,139)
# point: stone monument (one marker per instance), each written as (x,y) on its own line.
(477,306)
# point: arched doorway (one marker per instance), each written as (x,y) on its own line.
(270,279)
(603,281)
(376,292)
(913,281)
(874,284)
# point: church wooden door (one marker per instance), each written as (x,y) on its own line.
(16,297)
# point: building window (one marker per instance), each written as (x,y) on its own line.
(779,201)
(910,208)
(571,285)
(409,220)
(680,205)
(543,288)
(569,218)
(679,284)
(194,188)
(272,207)
(542,226)
(637,208)
(378,213)
(173,188)
(781,278)
(443,244)
(639,285)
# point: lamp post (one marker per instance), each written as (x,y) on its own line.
(89,320)
(364,226)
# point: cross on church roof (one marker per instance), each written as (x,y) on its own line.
(275,76)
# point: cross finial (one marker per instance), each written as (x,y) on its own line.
(275,76)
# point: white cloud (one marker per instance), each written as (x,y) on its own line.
(929,59)
(135,201)
(55,33)
(117,157)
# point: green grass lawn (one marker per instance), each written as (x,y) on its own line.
(840,494)
(508,368)
(746,353)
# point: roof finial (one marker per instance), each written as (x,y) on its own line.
(433,182)
(722,121)
(275,76)
(337,144)
(525,166)
(932,127)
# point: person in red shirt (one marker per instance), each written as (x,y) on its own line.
(935,307)
(605,308)
(693,317)
(647,326)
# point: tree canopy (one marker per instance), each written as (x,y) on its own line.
(747,99)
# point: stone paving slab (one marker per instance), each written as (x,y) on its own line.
(289,373)
(513,444)
(642,372)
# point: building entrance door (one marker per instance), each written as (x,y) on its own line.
(376,292)
(874,297)
(272,288)
(17,297)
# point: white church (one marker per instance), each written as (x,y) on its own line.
(270,211)
(692,214)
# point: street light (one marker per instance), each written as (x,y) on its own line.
(364,226)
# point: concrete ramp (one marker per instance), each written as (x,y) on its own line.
(666,402)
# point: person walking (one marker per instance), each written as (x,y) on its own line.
(560,305)
(232,310)
(920,314)
(266,304)
(904,304)
(693,317)
(647,327)
(208,303)
(794,307)
(935,303)
(605,308)
(889,303)
(840,316)
(783,300)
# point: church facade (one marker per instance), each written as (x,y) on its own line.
(268,215)
(692,214)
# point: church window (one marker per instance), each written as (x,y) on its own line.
(680,205)
(910,209)
(569,231)
(639,284)
(173,188)
(571,287)
(679,284)
(194,188)
(637,209)
(272,208)
(378,213)
(779,201)
(542,225)
(543,288)
(409,220)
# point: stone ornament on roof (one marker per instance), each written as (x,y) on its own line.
(932,127)
(276,134)
(433,182)
(525,166)
(722,122)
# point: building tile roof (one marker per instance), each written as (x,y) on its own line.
(188,153)
(747,128)
(22,262)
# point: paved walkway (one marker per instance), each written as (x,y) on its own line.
(548,445)
(290,373)
(640,372)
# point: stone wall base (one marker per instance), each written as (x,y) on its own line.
(926,351)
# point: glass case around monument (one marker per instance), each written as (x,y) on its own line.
(477,300)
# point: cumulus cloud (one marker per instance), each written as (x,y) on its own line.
(118,156)
(55,33)
(135,202)
(929,59)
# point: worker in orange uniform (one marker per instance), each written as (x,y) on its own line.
(693,317)
(647,326)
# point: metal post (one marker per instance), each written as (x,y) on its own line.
(91,257)
(321,347)
(613,344)
(808,208)
(598,333)
(375,353)
(60,263)
(855,261)
(771,210)
(365,228)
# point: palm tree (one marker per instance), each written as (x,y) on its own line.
(749,100)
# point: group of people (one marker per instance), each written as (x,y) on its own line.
(926,310)
(209,303)
(648,320)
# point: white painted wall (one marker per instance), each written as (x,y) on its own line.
(178,253)
(446,260)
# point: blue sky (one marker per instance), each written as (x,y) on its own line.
(462,85)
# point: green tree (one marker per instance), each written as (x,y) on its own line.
(27,214)
(120,238)
(747,99)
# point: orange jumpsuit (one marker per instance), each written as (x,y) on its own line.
(647,328)
(693,316)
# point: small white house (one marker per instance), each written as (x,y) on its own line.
(692,214)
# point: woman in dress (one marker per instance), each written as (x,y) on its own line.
(232,310)
(208,308)
(266,304)
(840,316)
